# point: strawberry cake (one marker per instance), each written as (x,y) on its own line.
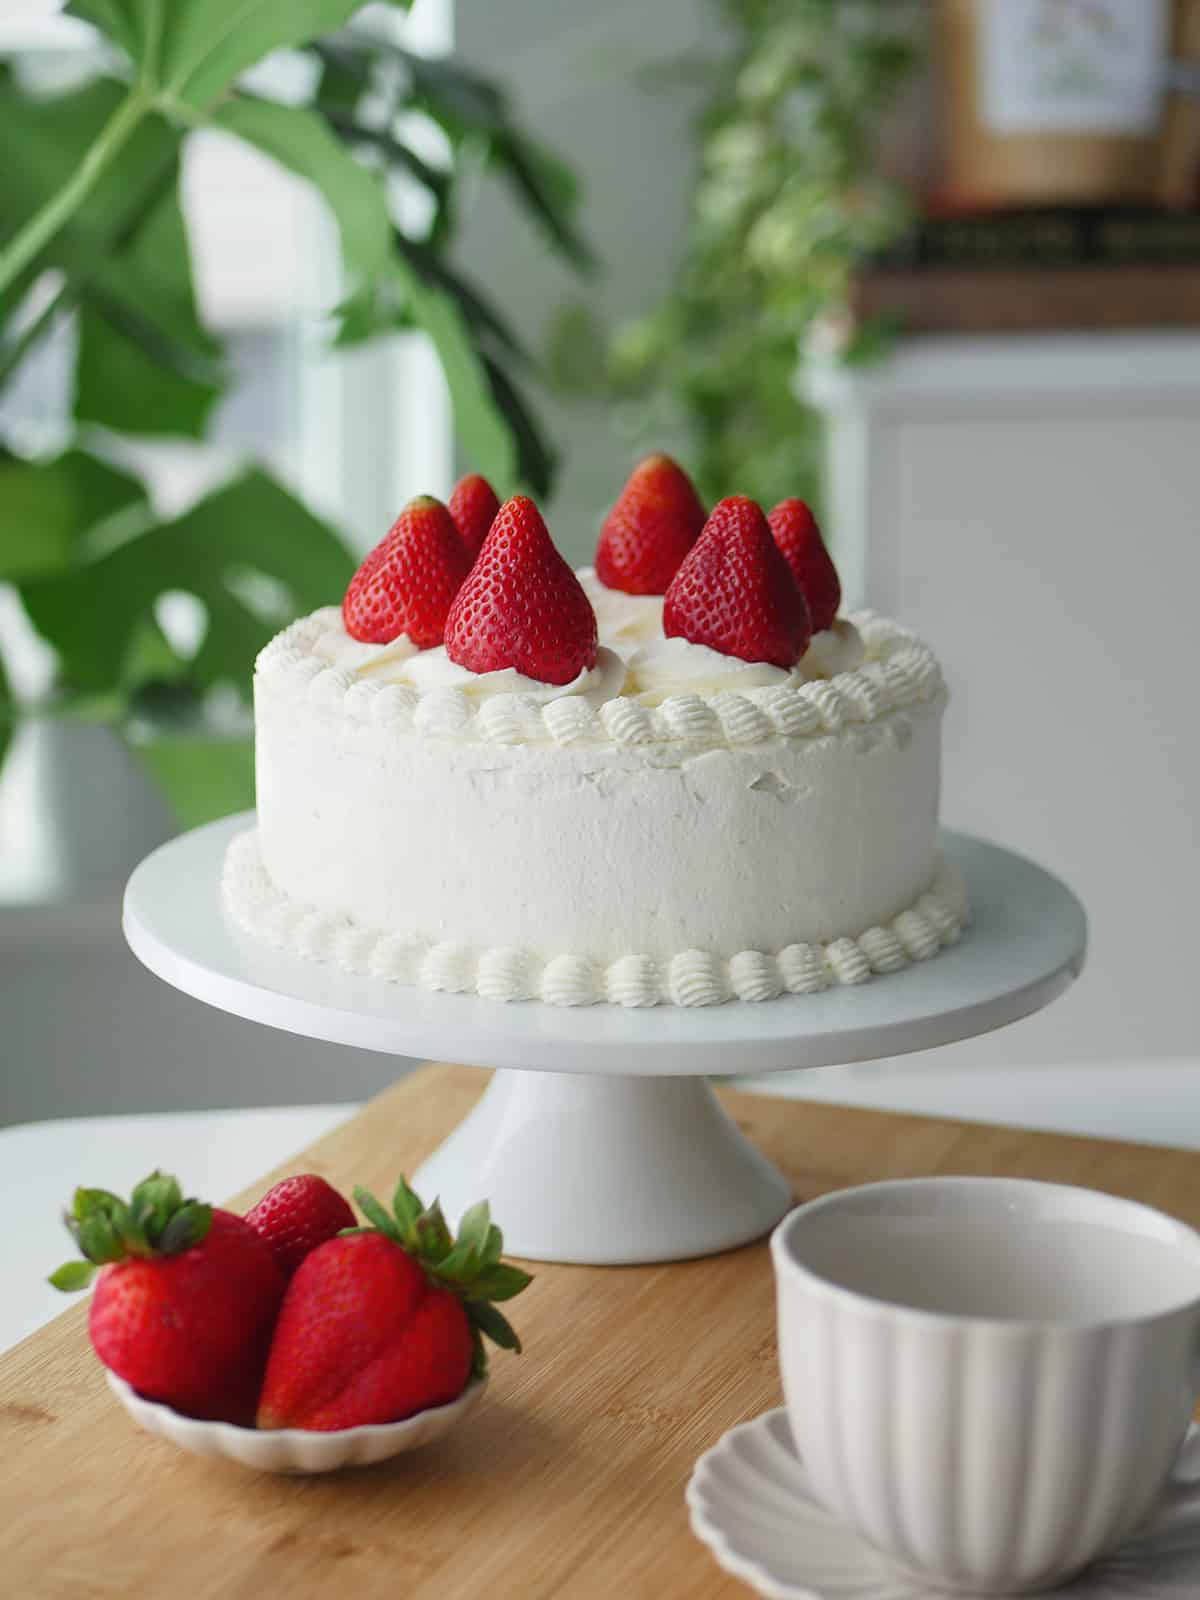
(678,776)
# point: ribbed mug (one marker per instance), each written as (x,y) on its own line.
(990,1379)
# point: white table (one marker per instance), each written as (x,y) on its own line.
(216,1153)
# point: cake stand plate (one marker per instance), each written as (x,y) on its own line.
(602,1142)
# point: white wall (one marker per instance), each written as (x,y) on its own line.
(1029,506)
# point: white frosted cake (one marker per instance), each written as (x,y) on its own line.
(674,824)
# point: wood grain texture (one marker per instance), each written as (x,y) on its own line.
(568,1480)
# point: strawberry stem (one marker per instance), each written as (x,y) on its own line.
(469,1265)
(156,1221)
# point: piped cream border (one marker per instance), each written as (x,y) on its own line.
(899,671)
(691,978)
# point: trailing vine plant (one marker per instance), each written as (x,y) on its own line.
(789,200)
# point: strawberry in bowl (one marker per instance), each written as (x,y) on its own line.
(288,1340)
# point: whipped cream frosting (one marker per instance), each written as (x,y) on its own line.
(433,670)
(334,645)
(838,648)
(623,621)
(665,667)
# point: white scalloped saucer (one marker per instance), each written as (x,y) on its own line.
(295,1450)
(751,1502)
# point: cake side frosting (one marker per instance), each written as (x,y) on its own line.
(689,978)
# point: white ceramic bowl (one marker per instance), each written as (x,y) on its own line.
(295,1449)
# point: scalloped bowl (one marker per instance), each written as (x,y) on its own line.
(294,1450)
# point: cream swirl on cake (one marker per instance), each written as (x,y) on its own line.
(433,670)
(623,621)
(666,667)
(838,648)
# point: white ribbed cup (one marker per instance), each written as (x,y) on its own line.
(989,1378)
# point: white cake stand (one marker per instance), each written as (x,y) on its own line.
(601,1141)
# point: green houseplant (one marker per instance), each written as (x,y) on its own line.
(790,197)
(91,230)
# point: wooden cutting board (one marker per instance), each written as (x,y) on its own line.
(567,1481)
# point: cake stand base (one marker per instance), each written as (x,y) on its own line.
(607,1170)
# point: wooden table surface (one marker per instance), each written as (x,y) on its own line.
(567,1481)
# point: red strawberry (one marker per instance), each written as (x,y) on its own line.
(380,1324)
(408,582)
(297,1215)
(522,606)
(796,533)
(186,1300)
(473,505)
(735,592)
(655,522)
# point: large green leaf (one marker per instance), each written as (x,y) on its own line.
(189,52)
(46,507)
(470,108)
(7,712)
(484,320)
(300,140)
(482,431)
(126,379)
(149,275)
(548,190)
(252,526)
(536,460)
(53,135)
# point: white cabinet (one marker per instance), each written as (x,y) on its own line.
(1032,506)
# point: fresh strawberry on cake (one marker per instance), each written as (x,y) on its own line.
(836,646)
(646,536)
(407,584)
(473,506)
(733,618)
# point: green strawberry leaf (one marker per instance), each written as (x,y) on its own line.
(490,1321)
(501,1282)
(493,1247)
(434,1239)
(474,1224)
(71,1276)
(153,1202)
(407,1207)
(186,1228)
(375,1214)
(85,1201)
(157,1221)
(461,1266)
(101,1240)
(479,1360)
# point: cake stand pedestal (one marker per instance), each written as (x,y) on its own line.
(599,1140)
